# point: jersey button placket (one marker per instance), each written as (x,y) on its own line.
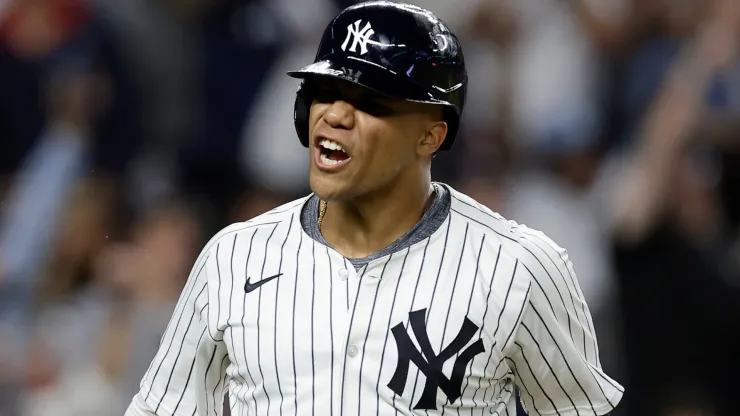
(353,336)
(342,303)
(343,274)
(343,277)
(352,351)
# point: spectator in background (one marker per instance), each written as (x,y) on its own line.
(199,67)
(667,279)
(548,106)
(673,254)
(46,40)
(270,154)
(99,327)
(161,47)
(53,99)
(243,40)
(64,112)
(546,65)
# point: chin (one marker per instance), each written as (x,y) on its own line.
(326,191)
(330,188)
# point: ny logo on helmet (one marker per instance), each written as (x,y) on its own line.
(351,74)
(359,37)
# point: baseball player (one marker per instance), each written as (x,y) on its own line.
(381,293)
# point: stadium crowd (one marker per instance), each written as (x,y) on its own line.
(131,131)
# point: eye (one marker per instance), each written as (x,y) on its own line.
(367,103)
(325,95)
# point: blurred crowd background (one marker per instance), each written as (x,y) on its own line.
(133,130)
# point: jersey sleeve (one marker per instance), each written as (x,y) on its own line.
(187,375)
(554,352)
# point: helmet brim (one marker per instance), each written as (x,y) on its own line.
(368,75)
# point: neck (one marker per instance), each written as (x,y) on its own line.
(362,226)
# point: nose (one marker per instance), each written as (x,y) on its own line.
(340,115)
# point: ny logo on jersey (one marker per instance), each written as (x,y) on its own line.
(359,37)
(432,366)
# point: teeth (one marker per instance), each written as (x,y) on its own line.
(331,145)
(325,160)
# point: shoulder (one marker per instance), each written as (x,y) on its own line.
(283,216)
(539,256)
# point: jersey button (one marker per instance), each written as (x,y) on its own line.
(352,351)
(343,273)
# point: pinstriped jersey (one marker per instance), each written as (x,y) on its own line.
(454,324)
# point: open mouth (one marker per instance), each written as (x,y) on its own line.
(331,153)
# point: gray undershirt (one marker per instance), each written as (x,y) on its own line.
(427,225)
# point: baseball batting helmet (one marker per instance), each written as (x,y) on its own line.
(396,49)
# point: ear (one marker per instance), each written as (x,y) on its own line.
(433,138)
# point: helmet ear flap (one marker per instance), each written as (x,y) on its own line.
(301,113)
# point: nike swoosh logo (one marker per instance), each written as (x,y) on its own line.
(250,287)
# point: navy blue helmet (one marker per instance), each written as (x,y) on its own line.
(396,49)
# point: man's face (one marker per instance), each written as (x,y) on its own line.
(362,142)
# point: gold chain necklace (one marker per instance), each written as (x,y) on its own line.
(322,212)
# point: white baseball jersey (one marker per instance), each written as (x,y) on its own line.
(453,324)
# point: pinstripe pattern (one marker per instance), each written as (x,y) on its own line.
(295,297)
(385,343)
(313,309)
(413,299)
(360,377)
(481,309)
(431,301)
(239,400)
(331,332)
(454,285)
(274,339)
